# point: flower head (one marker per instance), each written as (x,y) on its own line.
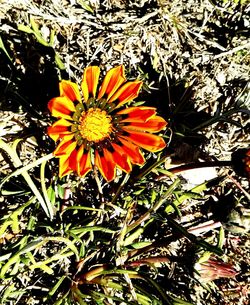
(213,269)
(100,130)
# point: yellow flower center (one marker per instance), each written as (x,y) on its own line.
(95,125)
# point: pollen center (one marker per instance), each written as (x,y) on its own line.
(95,125)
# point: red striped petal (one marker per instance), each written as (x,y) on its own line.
(154,124)
(112,81)
(126,93)
(64,168)
(133,152)
(121,158)
(69,89)
(137,114)
(90,82)
(66,146)
(59,129)
(83,162)
(145,140)
(105,164)
(61,107)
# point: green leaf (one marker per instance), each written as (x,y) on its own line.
(177,301)
(15,258)
(221,237)
(57,285)
(4,50)
(44,190)
(91,229)
(25,28)
(59,62)
(85,6)
(79,207)
(11,151)
(51,195)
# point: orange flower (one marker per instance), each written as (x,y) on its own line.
(100,131)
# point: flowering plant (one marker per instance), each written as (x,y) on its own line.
(100,131)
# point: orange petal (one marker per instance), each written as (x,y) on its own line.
(133,152)
(66,146)
(83,162)
(64,168)
(154,124)
(145,140)
(126,93)
(59,129)
(105,164)
(120,158)
(61,107)
(90,82)
(113,80)
(137,114)
(69,89)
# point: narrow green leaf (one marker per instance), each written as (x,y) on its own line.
(45,268)
(141,244)
(15,258)
(15,224)
(4,227)
(52,38)
(60,300)
(221,237)
(8,292)
(79,207)
(57,285)
(44,190)
(85,6)
(177,301)
(25,28)
(4,50)
(59,62)
(17,163)
(205,257)
(91,229)
(51,195)
(37,32)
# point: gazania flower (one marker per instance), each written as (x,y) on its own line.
(101,131)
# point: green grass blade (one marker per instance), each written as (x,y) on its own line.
(44,190)
(4,49)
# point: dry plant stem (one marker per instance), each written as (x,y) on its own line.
(240,187)
(118,192)
(99,186)
(205,227)
(196,240)
(234,50)
(194,165)
(190,234)
(147,215)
